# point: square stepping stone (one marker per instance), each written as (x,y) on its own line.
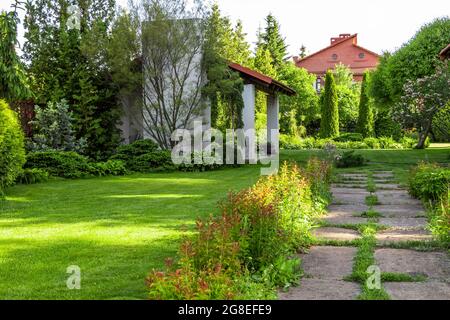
(401,211)
(387,186)
(336,234)
(429,290)
(349,198)
(347,209)
(395,236)
(345,220)
(435,265)
(318,289)
(350,190)
(396,197)
(404,223)
(328,262)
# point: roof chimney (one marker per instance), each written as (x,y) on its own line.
(341,37)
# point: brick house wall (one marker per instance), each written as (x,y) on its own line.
(343,49)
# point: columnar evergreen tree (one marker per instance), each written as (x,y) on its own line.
(13,83)
(365,124)
(329,124)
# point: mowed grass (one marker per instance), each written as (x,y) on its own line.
(398,161)
(115,229)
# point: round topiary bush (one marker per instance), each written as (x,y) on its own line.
(12,152)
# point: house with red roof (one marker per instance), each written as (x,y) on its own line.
(343,49)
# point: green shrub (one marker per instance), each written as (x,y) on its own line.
(144,156)
(11,147)
(108,168)
(408,143)
(349,159)
(32,176)
(71,165)
(429,182)
(329,125)
(346,137)
(372,143)
(59,163)
(247,246)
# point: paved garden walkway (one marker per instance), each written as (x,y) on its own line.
(402,220)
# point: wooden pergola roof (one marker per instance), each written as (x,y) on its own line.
(262,81)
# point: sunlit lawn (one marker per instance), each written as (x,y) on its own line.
(115,229)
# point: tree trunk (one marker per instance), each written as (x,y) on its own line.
(423,136)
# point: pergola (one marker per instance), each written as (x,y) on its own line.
(253,81)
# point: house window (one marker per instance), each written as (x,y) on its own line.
(362,55)
(318,85)
(334,56)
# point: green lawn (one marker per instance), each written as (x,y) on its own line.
(117,229)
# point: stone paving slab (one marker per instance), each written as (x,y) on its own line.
(396,197)
(347,209)
(349,198)
(349,186)
(336,234)
(387,186)
(435,265)
(319,289)
(429,290)
(401,211)
(395,236)
(341,220)
(346,190)
(328,262)
(404,223)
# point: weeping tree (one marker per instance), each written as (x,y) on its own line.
(13,81)
(365,124)
(329,124)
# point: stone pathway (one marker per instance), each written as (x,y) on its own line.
(404,219)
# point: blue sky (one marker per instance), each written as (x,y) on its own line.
(381,24)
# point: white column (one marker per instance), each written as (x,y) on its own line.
(273,109)
(248,114)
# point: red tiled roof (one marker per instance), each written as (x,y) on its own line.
(261,79)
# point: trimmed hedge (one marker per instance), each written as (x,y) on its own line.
(71,165)
(348,141)
(12,152)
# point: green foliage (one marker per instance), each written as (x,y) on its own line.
(52,129)
(441,125)
(32,176)
(224,87)
(386,126)
(346,137)
(365,124)
(13,80)
(372,200)
(429,182)
(73,65)
(71,165)
(305,103)
(422,100)
(273,41)
(349,160)
(329,125)
(348,97)
(144,156)
(248,243)
(11,147)
(59,163)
